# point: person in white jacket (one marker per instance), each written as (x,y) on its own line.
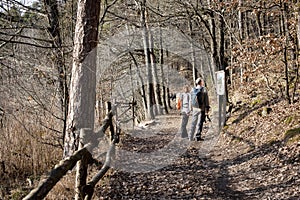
(185,110)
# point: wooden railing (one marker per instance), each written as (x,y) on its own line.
(82,157)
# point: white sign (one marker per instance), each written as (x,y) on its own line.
(220,82)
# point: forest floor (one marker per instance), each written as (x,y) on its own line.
(252,158)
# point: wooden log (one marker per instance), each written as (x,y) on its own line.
(89,189)
(55,175)
(82,164)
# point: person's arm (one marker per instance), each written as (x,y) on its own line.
(190,102)
(181,100)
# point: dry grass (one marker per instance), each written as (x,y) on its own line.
(24,157)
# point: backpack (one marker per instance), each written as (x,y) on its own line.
(194,95)
(178,104)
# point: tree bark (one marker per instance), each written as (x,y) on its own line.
(241,20)
(156,85)
(193,50)
(83,80)
(285,51)
(297,50)
(141,82)
(163,82)
(213,39)
(51,8)
(150,113)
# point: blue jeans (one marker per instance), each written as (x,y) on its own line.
(184,121)
(197,121)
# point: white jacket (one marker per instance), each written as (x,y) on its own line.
(186,102)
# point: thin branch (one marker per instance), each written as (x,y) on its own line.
(25,43)
(27,37)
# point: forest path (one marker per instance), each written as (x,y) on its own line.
(223,172)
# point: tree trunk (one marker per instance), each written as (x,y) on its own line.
(51,8)
(213,39)
(258,23)
(221,51)
(83,80)
(141,83)
(241,21)
(285,51)
(193,54)
(164,93)
(163,82)
(156,85)
(150,113)
(297,50)
(298,25)
(221,45)
(247,26)
(167,84)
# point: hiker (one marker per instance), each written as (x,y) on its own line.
(185,109)
(200,108)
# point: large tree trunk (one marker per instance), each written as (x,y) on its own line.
(83,80)
(163,82)
(221,52)
(140,82)
(150,113)
(156,85)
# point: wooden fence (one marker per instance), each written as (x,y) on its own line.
(82,157)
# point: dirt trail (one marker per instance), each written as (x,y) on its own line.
(223,172)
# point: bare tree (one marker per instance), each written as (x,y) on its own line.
(150,90)
(54,30)
(83,80)
(285,50)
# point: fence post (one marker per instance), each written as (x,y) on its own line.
(82,165)
(111,126)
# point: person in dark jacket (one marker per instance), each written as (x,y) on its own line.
(199,110)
